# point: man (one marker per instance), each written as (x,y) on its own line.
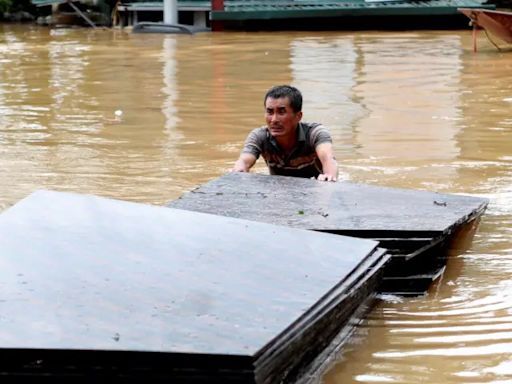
(290,147)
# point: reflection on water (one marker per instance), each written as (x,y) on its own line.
(327,80)
(170,88)
(421,109)
(412,109)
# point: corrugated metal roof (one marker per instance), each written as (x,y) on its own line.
(40,3)
(272,9)
(140,3)
(184,5)
(281,9)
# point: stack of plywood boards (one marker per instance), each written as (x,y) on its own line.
(94,289)
(416,227)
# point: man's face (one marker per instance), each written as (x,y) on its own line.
(280,117)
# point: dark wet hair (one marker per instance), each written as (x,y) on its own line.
(292,93)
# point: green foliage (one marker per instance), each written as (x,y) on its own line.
(13,6)
(21,5)
(5,5)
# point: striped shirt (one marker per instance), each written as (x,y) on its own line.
(302,161)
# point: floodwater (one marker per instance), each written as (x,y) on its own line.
(406,109)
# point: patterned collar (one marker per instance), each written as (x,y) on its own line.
(301,137)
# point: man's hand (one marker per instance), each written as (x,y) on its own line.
(239,167)
(324,177)
(325,153)
(244,163)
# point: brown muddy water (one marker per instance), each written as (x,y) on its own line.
(406,109)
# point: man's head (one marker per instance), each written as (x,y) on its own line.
(286,91)
(283,111)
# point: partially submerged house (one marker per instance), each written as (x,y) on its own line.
(287,14)
(83,12)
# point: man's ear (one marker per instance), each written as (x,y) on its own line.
(299,116)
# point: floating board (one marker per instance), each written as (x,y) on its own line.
(101,288)
(413,225)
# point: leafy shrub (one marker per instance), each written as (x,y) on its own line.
(5,5)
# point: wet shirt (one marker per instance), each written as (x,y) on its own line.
(302,161)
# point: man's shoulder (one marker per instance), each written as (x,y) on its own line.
(260,132)
(311,125)
(316,133)
(313,128)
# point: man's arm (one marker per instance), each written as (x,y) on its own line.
(325,153)
(244,162)
(251,150)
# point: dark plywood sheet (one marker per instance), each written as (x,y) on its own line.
(86,272)
(84,366)
(341,206)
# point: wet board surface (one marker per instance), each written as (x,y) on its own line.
(322,206)
(90,273)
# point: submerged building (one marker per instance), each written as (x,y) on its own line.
(83,12)
(286,14)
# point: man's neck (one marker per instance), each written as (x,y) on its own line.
(287,143)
